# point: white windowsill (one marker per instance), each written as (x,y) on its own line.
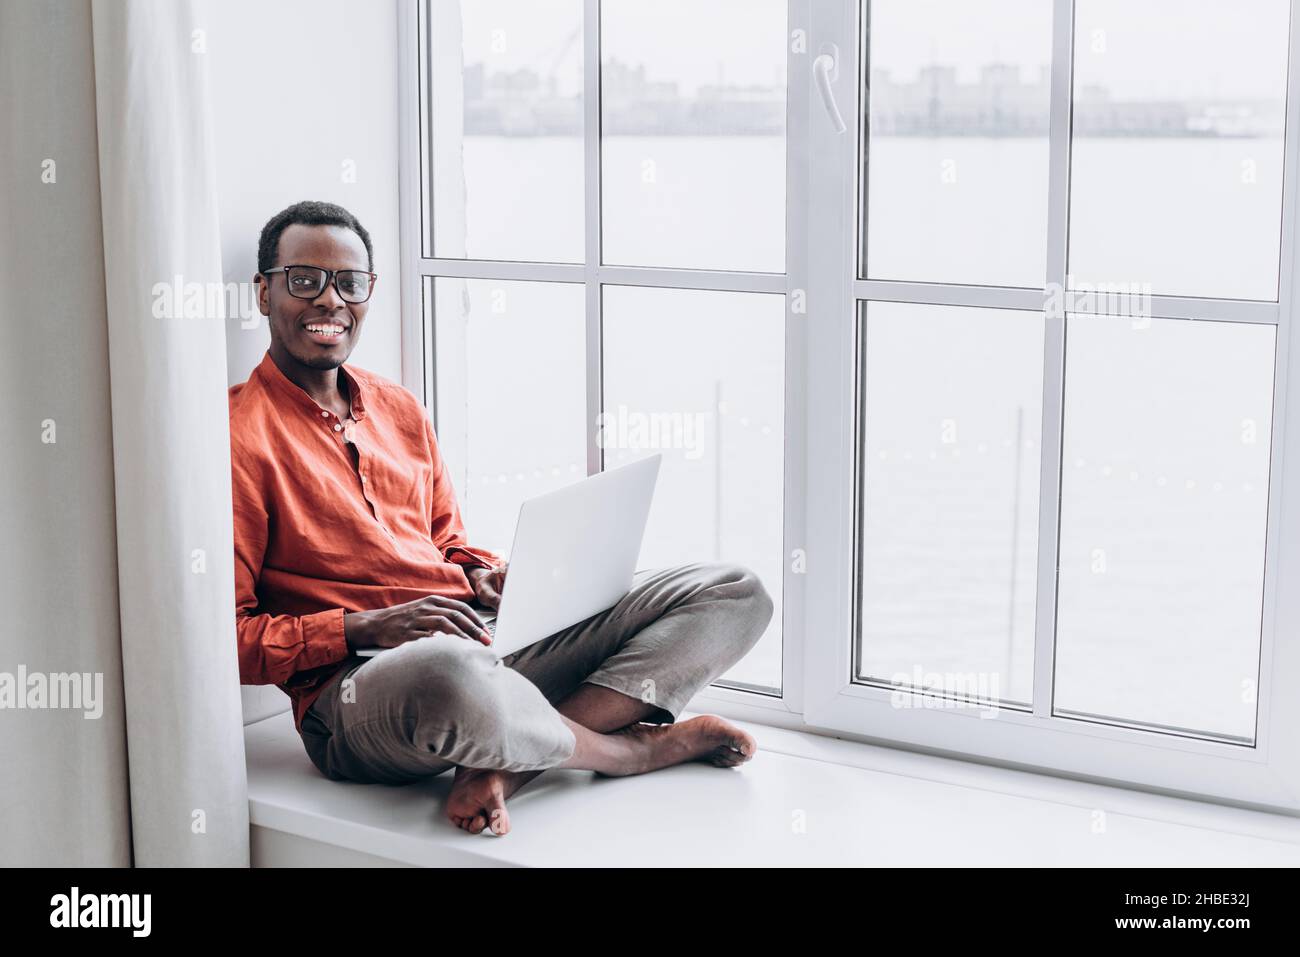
(804,800)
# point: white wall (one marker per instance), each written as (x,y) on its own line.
(270,64)
(335,61)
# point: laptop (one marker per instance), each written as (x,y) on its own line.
(574,555)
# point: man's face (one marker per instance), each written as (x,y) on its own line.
(306,328)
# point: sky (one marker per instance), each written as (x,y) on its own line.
(1156,48)
(690,42)
(1138,48)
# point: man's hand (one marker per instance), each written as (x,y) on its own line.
(390,627)
(487,584)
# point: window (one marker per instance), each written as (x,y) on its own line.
(1184,105)
(956,178)
(720,485)
(693,116)
(971,320)
(1051,256)
(504,130)
(1164,510)
(598,267)
(504,446)
(951,399)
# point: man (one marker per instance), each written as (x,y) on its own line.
(348,535)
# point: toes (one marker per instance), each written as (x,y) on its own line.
(744,744)
(731,755)
(496,820)
(476,805)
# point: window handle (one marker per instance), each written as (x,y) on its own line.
(825,70)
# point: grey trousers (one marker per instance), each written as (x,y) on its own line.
(440,702)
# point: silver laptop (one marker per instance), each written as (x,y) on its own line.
(574,555)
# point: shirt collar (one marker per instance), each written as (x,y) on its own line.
(275,380)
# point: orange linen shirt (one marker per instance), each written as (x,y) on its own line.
(317,535)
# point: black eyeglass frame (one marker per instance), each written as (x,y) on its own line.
(331,279)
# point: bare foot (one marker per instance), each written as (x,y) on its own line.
(478,798)
(706,738)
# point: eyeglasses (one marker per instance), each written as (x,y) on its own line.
(308,282)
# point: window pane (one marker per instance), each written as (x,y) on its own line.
(952,409)
(1176,166)
(693,128)
(511,396)
(507,129)
(1164,498)
(956,166)
(700,377)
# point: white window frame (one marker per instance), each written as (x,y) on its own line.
(820,470)
(1265,775)
(418,367)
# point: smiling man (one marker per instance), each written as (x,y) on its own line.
(348,536)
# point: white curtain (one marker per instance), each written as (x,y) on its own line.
(116,508)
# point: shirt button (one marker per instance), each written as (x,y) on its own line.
(363,479)
(324,415)
(337,427)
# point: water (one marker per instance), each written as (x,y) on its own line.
(1167,632)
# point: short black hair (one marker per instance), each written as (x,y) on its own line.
(307,213)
